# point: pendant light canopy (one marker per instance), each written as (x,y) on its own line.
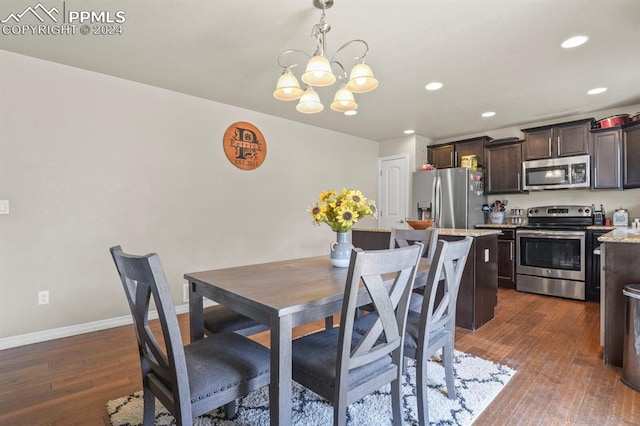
(319,73)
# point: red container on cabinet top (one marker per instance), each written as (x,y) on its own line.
(614,120)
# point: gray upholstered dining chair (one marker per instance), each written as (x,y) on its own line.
(188,380)
(433,328)
(344,364)
(404,238)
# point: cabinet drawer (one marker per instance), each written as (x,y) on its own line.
(507,234)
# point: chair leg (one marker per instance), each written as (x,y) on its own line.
(447,360)
(230,410)
(339,414)
(396,401)
(328,322)
(421,384)
(149,410)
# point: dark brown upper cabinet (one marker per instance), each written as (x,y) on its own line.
(450,154)
(606,161)
(441,156)
(504,167)
(631,155)
(558,140)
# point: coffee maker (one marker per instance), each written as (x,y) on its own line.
(598,215)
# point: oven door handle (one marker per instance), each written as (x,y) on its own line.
(551,234)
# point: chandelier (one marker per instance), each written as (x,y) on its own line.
(319,73)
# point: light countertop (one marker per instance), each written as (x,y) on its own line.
(511,226)
(621,235)
(457,232)
(497,225)
(601,228)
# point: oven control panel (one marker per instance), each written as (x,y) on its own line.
(560,211)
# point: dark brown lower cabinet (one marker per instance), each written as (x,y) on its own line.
(507,258)
(592,284)
(620,269)
(478,294)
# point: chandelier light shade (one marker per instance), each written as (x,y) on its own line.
(319,72)
(288,88)
(310,102)
(361,79)
(343,101)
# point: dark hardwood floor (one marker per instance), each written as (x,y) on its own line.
(552,342)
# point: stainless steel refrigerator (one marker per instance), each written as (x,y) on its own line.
(452,197)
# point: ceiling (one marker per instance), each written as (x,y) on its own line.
(491,55)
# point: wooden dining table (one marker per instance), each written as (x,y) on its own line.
(281,295)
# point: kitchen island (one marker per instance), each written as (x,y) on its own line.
(620,253)
(478,294)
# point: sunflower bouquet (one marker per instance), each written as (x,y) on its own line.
(341,211)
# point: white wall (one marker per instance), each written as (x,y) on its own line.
(89,161)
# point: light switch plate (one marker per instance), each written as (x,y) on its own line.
(4,206)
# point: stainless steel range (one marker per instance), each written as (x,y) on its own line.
(551,251)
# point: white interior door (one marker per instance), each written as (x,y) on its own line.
(393,188)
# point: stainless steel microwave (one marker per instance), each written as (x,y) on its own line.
(556,173)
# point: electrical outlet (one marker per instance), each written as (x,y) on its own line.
(43,297)
(185,293)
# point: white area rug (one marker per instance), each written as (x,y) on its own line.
(477,382)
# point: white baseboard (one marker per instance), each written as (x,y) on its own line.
(73,330)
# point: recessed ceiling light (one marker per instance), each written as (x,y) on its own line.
(488,114)
(409,132)
(352,112)
(597,90)
(574,41)
(435,85)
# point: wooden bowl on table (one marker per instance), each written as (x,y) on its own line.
(420,224)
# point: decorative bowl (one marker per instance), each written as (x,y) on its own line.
(420,224)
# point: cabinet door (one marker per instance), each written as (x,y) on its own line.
(571,139)
(607,160)
(503,167)
(537,144)
(470,148)
(441,156)
(506,270)
(478,291)
(631,156)
(560,140)
(592,285)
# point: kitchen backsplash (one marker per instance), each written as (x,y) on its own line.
(611,200)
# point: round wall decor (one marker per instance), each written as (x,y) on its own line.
(244,145)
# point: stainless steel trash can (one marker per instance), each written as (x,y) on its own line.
(631,352)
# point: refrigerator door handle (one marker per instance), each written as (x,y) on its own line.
(434,201)
(438,196)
